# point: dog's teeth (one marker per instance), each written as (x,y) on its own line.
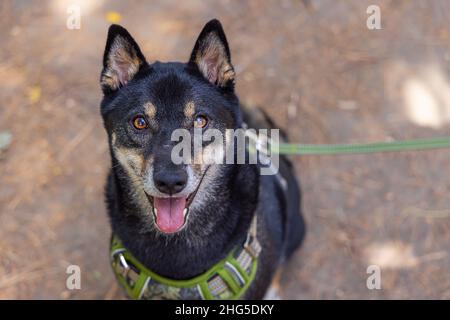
(155,211)
(185,211)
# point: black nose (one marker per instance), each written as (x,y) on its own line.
(169,181)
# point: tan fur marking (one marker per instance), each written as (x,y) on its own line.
(150,110)
(130,159)
(276,281)
(274,291)
(189,109)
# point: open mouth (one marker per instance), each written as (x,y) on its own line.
(171,213)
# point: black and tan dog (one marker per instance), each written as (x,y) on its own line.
(188,231)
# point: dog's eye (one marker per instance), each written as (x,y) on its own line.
(200,121)
(140,123)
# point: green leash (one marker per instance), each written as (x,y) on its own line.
(362,148)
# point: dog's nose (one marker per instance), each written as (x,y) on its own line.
(170,182)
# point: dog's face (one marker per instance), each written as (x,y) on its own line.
(142,106)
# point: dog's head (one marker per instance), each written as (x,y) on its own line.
(144,103)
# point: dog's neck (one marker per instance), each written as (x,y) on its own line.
(211,233)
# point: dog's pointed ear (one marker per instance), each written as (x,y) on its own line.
(122,59)
(211,55)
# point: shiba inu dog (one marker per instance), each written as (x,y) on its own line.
(189,230)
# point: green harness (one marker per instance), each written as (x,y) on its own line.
(227,279)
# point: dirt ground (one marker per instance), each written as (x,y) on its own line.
(313,65)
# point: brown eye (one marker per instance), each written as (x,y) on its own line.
(200,122)
(140,123)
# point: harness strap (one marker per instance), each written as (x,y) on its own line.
(252,245)
(228,279)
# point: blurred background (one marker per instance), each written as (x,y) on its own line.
(312,65)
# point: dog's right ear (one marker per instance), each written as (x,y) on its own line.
(122,59)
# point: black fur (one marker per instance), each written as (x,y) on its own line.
(240,192)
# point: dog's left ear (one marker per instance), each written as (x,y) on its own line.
(122,59)
(211,55)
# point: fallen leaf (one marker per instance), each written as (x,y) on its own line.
(113,17)
(34,94)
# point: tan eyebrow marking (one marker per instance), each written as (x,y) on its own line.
(150,110)
(189,109)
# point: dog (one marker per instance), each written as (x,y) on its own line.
(189,230)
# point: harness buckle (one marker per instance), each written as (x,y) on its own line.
(125,269)
(121,264)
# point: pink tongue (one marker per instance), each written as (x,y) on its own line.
(169,217)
